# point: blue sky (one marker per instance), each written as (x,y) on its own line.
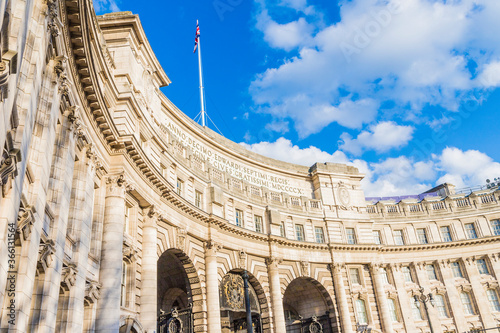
(406,90)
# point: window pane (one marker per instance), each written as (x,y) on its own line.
(197,199)
(415,310)
(258,223)
(466,303)
(361,310)
(407,274)
(431,272)
(385,278)
(441,307)
(446,234)
(123,296)
(422,236)
(320,237)
(398,237)
(470,229)
(495,225)
(282,229)
(179,186)
(351,237)
(299,232)
(456,269)
(482,266)
(354,272)
(493,299)
(392,309)
(239,218)
(376,237)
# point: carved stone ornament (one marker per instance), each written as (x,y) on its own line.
(8,164)
(305,268)
(273,262)
(117,186)
(92,291)
(181,239)
(68,277)
(242,256)
(45,255)
(315,326)
(52,12)
(174,324)
(344,197)
(130,252)
(212,247)
(25,221)
(232,290)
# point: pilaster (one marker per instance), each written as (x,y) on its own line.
(212,283)
(340,292)
(276,296)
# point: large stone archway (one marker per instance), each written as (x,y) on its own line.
(306,302)
(178,287)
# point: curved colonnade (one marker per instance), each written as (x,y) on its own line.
(118,208)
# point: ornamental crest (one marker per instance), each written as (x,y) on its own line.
(233,292)
(344,197)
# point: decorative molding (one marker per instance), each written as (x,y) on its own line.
(273,262)
(181,239)
(212,247)
(68,276)
(92,291)
(117,185)
(242,259)
(46,254)
(305,268)
(130,252)
(25,221)
(52,12)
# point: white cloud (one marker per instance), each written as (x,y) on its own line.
(394,176)
(413,52)
(103,6)
(380,137)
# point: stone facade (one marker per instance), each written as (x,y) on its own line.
(115,208)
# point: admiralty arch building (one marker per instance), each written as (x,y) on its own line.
(118,213)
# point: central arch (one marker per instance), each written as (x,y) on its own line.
(306,302)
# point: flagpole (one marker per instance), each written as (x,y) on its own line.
(201,83)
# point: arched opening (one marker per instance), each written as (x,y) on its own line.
(232,303)
(174,291)
(307,307)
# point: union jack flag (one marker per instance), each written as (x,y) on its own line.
(197,36)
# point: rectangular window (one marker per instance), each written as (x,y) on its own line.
(493,300)
(415,310)
(258,223)
(282,229)
(456,269)
(361,311)
(482,266)
(180,184)
(126,223)
(446,234)
(123,285)
(385,277)
(355,278)
(392,309)
(495,225)
(398,237)
(239,218)
(299,232)
(351,236)
(466,303)
(198,199)
(320,236)
(407,274)
(422,236)
(470,230)
(441,306)
(376,237)
(431,272)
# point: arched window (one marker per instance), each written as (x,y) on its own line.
(441,306)
(123,285)
(466,303)
(361,311)
(392,309)
(493,299)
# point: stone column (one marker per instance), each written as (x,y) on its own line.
(212,283)
(340,293)
(404,299)
(149,271)
(385,316)
(456,310)
(423,280)
(276,297)
(80,228)
(479,293)
(110,273)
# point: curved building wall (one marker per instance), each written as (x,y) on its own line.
(116,207)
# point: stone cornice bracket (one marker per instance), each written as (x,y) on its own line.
(469,261)
(493,257)
(130,252)
(273,262)
(376,267)
(45,254)
(396,267)
(68,277)
(92,291)
(445,263)
(25,221)
(8,163)
(212,247)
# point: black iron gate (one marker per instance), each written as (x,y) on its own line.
(240,325)
(314,324)
(177,321)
